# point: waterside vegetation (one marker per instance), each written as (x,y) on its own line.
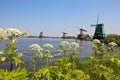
(102,64)
(112,38)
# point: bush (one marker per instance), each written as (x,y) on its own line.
(112,38)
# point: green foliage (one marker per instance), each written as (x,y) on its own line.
(112,38)
(60,73)
(106,68)
(101,67)
(12,57)
(42,74)
(2,59)
(17,74)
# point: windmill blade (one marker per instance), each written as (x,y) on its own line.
(92,25)
(83,30)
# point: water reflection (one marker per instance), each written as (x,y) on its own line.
(85,49)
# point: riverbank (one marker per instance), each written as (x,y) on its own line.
(112,38)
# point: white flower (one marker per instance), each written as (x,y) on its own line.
(64,45)
(36,47)
(14,40)
(1,30)
(58,54)
(112,44)
(2,35)
(50,56)
(48,45)
(74,45)
(13,31)
(3,58)
(59,51)
(96,41)
(1,52)
(20,54)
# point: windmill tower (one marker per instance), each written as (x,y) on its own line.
(99,30)
(41,35)
(64,35)
(81,35)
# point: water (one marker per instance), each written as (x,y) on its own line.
(24,43)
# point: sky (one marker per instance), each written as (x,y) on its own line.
(56,16)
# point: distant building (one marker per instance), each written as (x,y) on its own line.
(99,32)
(41,35)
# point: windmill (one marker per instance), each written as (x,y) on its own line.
(64,34)
(99,30)
(41,35)
(81,35)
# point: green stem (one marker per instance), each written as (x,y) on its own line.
(11,65)
(34,68)
(47,63)
(64,53)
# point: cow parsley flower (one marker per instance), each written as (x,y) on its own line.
(59,52)
(2,35)
(35,47)
(20,55)
(13,31)
(1,52)
(74,45)
(48,45)
(96,41)
(50,56)
(1,30)
(112,44)
(64,45)
(14,40)
(3,58)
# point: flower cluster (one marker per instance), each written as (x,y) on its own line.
(74,45)
(113,44)
(35,47)
(1,52)
(2,59)
(1,30)
(13,31)
(96,41)
(64,45)
(58,52)
(2,35)
(48,45)
(20,55)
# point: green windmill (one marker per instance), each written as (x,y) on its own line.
(99,30)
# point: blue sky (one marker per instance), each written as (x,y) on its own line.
(55,16)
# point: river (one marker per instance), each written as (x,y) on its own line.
(24,43)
